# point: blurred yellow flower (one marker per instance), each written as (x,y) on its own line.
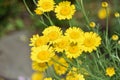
(59,69)
(42,54)
(91,41)
(72,75)
(48,78)
(46,5)
(115,37)
(102,14)
(64,10)
(104,4)
(52,33)
(37,76)
(110,71)
(39,66)
(117,14)
(38,11)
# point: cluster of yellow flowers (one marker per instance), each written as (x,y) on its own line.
(59,51)
(72,44)
(64,10)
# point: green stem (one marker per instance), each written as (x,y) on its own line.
(48,17)
(35,2)
(28,8)
(84,13)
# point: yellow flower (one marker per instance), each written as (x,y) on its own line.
(74,34)
(37,76)
(64,10)
(104,4)
(115,37)
(110,71)
(52,33)
(117,14)
(59,69)
(48,78)
(39,66)
(74,76)
(37,40)
(92,24)
(46,5)
(91,41)
(38,11)
(42,54)
(102,14)
(61,44)
(74,50)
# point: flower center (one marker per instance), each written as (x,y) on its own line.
(53,35)
(46,5)
(65,11)
(88,42)
(74,35)
(73,49)
(43,55)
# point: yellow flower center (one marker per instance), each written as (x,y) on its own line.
(88,42)
(53,35)
(42,64)
(73,49)
(74,35)
(46,5)
(43,55)
(65,11)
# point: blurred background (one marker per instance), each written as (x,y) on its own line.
(17,26)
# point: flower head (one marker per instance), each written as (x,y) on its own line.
(42,54)
(60,69)
(102,13)
(46,5)
(115,37)
(74,34)
(92,24)
(104,4)
(91,41)
(117,14)
(64,10)
(110,71)
(39,66)
(52,33)
(38,11)
(48,78)
(37,76)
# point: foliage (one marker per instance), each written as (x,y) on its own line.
(83,51)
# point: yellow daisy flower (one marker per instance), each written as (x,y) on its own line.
(37,40)
(52,33)
(110,71)
(92,24)
(59,69)
(37,76)
(61,44)
(91,41)
(74,34)
(38,11)
(64,10)
(115,37)
(74,50)
(48,78)
(46,5)
(39,66)
(73,75)
(42,54)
